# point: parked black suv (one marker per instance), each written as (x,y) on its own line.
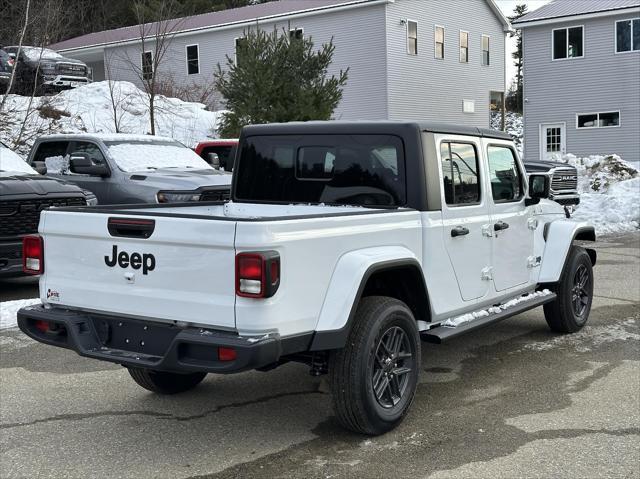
(46,70)
(563,179)
(24,193)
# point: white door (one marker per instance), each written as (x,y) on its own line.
(465,214)
(512,223)
(552,140)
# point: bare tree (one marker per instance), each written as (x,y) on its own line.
(157,28)
(116,97)
(15,64)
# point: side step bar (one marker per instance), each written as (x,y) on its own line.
(440,334)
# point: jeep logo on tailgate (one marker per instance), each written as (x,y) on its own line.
(123,259)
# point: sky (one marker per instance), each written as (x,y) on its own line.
(507,7)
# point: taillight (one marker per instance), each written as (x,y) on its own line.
(32,255)
(226,354)
(257,274)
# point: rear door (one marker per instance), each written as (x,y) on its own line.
(465,213)
(512,221)
(183,270)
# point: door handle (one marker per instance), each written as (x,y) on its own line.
(459,231)
(500,225)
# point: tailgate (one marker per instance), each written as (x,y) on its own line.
(183,270)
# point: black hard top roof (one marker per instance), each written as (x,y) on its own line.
(368,127)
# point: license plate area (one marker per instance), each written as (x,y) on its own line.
(135,336)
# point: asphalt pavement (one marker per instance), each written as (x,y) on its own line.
(512,400)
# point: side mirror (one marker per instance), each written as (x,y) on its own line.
(40,167)
(539,187)
(80,163)
(213,159)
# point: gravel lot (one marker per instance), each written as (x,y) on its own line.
(513,400)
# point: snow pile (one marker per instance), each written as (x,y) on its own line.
(95,108)
(468,317)
(512,125)
(9,310)
(609,192)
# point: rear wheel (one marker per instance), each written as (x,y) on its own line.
(570,311)
(374,377)
(165,383)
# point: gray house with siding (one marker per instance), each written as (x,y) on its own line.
(582,78)
(408,59)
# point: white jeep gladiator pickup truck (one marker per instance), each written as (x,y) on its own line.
(344,245)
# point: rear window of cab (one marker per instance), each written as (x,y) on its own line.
(360,170)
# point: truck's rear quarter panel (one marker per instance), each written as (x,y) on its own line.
(310,250)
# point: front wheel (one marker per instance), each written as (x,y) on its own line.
(374,377)
(570,311)
(162,382)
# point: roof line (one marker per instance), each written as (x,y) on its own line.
(575,16)
(501,16)
(347,4)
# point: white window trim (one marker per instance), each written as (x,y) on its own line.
(460,46)
(295,29)
(566,47)
(444,42)
(186,57)
(615,36)
(598,113)
(142,54)
(482,37)
(407,36)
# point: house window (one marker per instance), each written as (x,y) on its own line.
(598,120)
(193,60)
(147,65)
(296,34)
(241,44)
(439,42)
(485,50)
(460,174)
(412,37)
(464,47)
(628,35)
(568,43)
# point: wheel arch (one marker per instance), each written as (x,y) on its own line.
(399,277)
(559,236)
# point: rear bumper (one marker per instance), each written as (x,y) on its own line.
(11,259)
(147,343)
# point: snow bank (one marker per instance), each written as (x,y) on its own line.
(9,310)
(90,108)
(609,192)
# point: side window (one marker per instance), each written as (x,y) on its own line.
(460,173)
(147,65)
(52,155)
(90,149)
(506,180)
(412,37)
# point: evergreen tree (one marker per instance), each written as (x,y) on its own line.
(517,100)
(275,78)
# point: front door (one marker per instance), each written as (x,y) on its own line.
(552,140)
(98,185)
(512,222)
(465,214)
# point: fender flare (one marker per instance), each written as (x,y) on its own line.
(559,235)
(347,286)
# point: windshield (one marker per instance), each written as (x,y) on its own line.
(13,164)
(33,53)
(153,154)
(364,170)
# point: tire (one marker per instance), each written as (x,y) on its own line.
(570,311)
(361,364)
(165,383)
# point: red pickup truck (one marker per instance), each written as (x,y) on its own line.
(224,149)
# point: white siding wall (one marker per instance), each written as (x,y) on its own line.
(358,35)
(601,81)
(423,87)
